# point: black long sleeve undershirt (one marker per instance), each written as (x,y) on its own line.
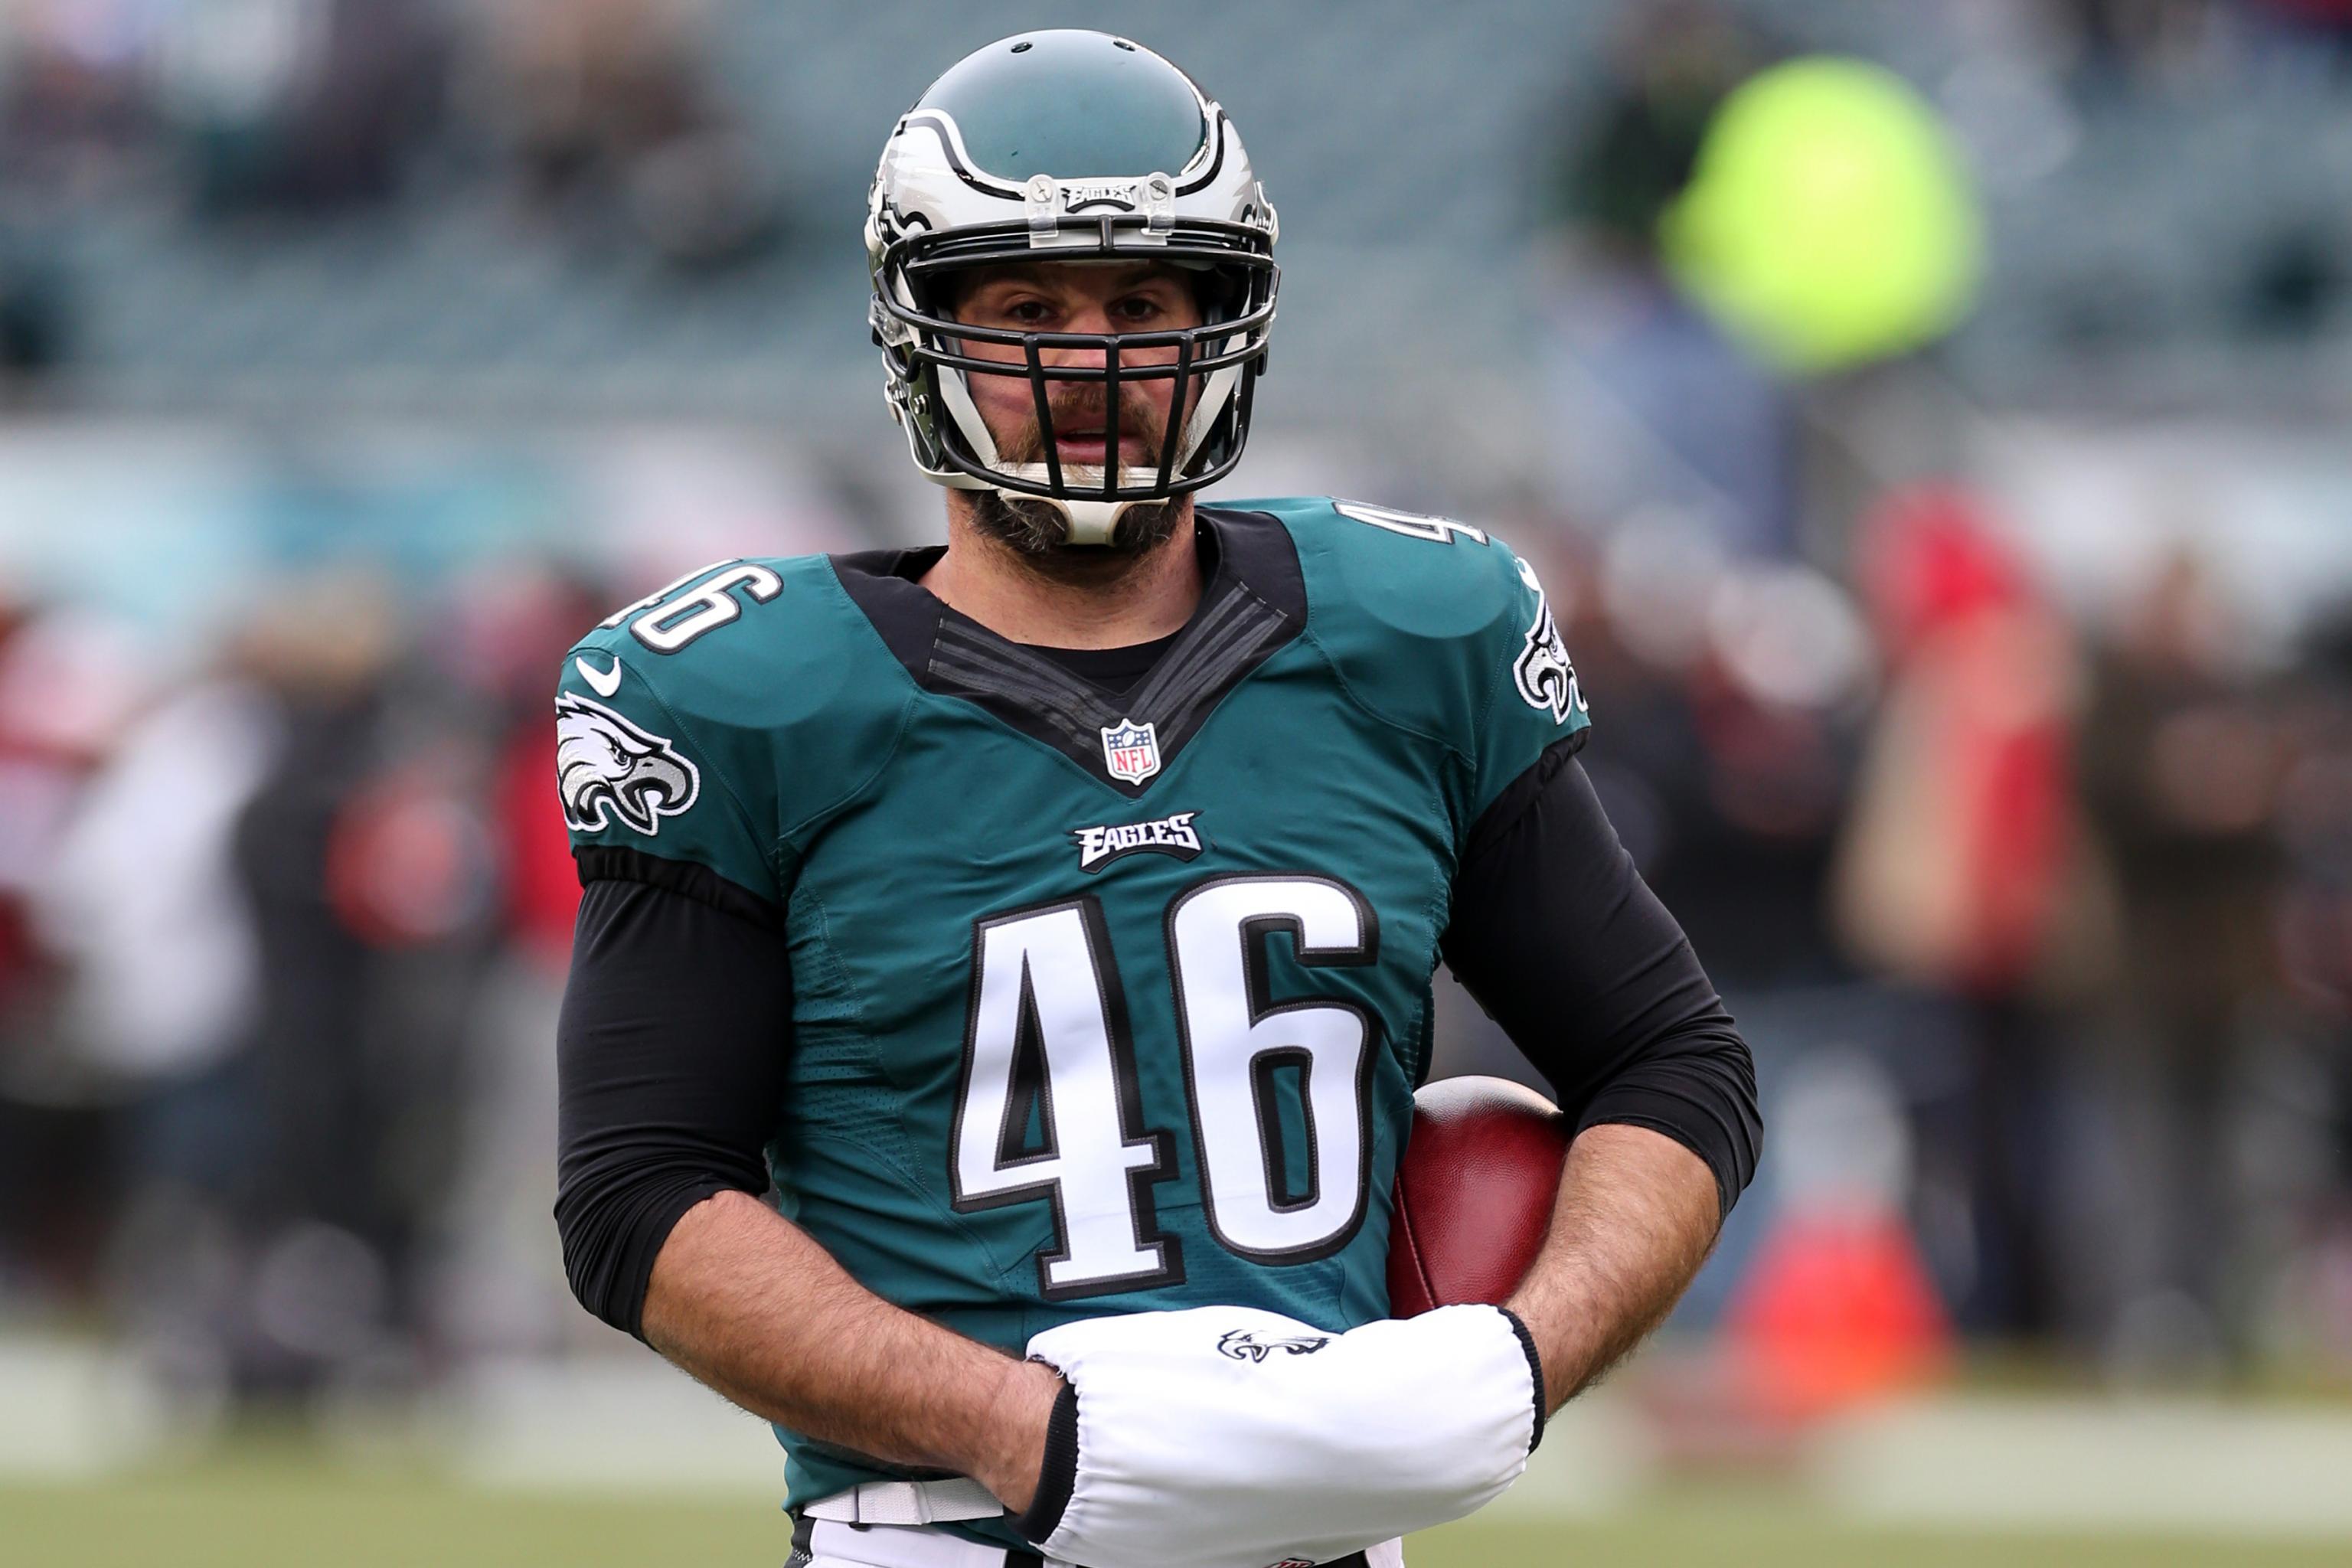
(670,1063)
(1557,936)
(677,1023)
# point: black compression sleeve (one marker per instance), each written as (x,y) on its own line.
(670,1072)
(1562,942)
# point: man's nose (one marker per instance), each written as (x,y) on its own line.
(1100,321)
(1092,318)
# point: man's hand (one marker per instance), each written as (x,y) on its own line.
(1230,1438)
(749,1303)
(1013,1453)
(1635,1217)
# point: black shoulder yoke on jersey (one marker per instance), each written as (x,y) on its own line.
(1252,602)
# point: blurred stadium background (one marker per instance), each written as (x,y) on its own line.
(1939,448)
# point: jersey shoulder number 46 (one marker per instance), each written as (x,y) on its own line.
(1543,673)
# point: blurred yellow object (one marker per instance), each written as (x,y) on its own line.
(1828,222)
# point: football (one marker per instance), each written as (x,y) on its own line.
(1474,1193)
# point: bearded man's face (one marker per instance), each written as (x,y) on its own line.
(1064,297)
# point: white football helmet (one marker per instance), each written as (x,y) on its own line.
(1069,146)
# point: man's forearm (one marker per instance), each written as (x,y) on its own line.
(1635,1217)
(746,1301)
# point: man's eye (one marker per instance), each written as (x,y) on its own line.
(1027,310)
(1138,310)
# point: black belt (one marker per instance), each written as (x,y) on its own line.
(1015,1557)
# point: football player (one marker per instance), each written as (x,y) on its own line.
(1047,918)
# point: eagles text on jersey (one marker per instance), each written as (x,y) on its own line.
(1101,1004)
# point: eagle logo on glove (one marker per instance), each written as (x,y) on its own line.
(606,764)
(1241,1344)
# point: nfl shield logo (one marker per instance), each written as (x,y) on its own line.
(1130,751)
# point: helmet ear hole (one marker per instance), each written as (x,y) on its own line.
(1215,294)
(942,293)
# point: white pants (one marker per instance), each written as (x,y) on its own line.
(836,1545)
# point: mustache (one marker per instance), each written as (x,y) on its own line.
(1089,409)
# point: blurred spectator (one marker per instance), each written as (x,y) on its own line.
(138,899)
(606,110)
(511,623)
(141,902)
(299,104)
(368,876)
(1655,400)
(498,1286)
(2183,759)
(2315,829)
(2315,928)
(75,91)
(1962,857)
(70,681)
(31,802)
(1955,872)
(1669,70)
(1735,687)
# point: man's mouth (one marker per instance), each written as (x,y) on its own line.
(1085,445)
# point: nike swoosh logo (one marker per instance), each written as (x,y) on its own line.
(607,682)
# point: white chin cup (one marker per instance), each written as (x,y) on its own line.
(1230,1438)
(1087,522)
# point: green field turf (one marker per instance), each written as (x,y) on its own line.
(285,1510)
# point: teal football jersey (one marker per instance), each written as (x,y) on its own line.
(1101,1002)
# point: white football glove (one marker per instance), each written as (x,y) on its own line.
(1229,1437)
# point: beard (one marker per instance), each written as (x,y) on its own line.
(1036,530)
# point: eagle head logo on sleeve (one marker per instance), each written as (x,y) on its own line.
(1545,677)
(608,769)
